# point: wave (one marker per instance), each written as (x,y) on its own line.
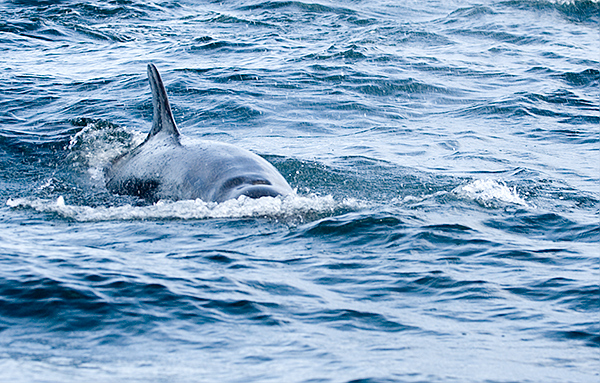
(291,208)
(586,78)
(63,22)
(298,6)
(572,10)
(489,192)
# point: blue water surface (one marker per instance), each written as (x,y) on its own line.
(446,158)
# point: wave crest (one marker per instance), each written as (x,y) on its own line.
(291,208)
(489,192)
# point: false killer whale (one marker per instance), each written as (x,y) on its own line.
(162,168)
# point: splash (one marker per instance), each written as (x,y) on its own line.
(489,192)
(291,208)
(573,2)
(99,142)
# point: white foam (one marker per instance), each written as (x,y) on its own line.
(488,192)
(96,144)
(571,2)
(293,208)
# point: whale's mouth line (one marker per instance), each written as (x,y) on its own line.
(243,181)
(252,186)
(258,191)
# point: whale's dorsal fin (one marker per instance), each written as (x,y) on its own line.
(163,118)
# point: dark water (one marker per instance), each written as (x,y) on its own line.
(446,157)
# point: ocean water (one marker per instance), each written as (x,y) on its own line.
(446,157)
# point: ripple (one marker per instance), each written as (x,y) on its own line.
(550,226)
(349,320)
(588,77)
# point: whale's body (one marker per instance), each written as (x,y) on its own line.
(163,168)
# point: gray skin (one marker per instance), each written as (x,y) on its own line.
(163,168)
